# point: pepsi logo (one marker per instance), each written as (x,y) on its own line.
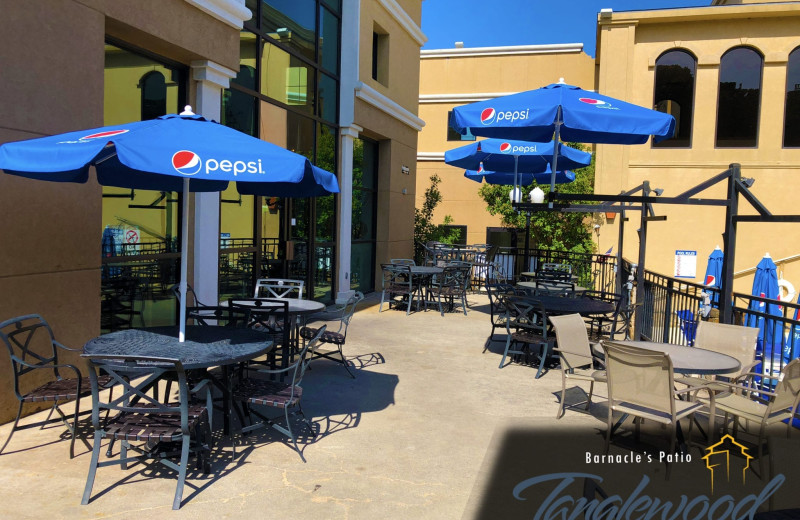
(186,162)
(101,135)
(488,115)
(505,148)
(710,279)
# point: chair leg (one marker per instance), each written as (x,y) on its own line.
(589,399)
(383,294)
(560,411)
(13,428)
(344,362)
(176,502)
(505,352)
(544,351)
(608,426)
(87,490)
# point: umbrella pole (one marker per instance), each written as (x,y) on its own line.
(554,166)
(184,260)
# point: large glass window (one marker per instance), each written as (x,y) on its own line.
(365,201)
(452,135)
(739,98)
(791,126)
(286,93)
(674,94)
(140,242)
(237,244)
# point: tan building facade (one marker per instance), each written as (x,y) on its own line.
(731,75)
(307,76)
(454,77)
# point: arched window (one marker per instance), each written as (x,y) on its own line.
(791,122)
(154,95)
(674,94)
(739,98)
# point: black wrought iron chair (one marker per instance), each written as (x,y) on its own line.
(334,337)
(497,308)
(528,319)
(284,395)
(140,418)
(603,325)
(34,354)
(272,318)
(451,285)
(176,291)
(397,281)
(219,316)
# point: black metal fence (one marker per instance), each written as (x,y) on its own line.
(593,271)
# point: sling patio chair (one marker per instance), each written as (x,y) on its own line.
(641,383)
(337,337)
(145,425)
(253,391)
(575,353)
(37,370)
(763,408)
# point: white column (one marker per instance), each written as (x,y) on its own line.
(211,79)
(347,134)
(348,131)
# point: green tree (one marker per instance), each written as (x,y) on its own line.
(551,230)
(424,229)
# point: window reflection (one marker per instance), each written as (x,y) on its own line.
(739,98)
(292,22)
(791,129)
(286,79)
(674,94)
(329,41)
(365,199)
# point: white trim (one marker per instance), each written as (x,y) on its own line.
(461,98)
(381,102)
(214,73)
(502,51)
(405,21)
(430,156)
(231,12)
(350,131)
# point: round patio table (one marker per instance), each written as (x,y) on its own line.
(544,285)
(205,347)
(582,306)
(691,360)
(421,276)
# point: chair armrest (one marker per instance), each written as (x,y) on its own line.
(744,388)
(62,346)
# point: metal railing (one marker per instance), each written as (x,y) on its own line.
(593,271)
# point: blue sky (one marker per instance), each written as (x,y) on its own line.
(489,23)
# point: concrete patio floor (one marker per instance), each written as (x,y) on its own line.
(415,435)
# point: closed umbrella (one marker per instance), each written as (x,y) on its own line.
(792,348)
(770,339)
(714,273)
(562,112)
(185,152)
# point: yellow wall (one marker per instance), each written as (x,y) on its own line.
(494,73)
(629,45)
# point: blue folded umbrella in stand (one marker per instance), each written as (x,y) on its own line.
(714,274)
(770,337)
(184,153)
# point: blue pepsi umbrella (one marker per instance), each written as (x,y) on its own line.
(792,348)
(498,155)
(765,285)
(183,152)
(523,179)
(559,111)
(714,273)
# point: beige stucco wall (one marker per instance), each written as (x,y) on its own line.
(491,73)
(52,65)
(397,138)
(629,45)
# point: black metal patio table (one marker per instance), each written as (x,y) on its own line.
(422,275)
(582,306)
(205,347)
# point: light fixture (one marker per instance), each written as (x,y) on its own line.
(537,195)
(659,191)
(515,195)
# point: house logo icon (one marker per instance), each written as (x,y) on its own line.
(718,459)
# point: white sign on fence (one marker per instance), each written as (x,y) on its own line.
(685,264)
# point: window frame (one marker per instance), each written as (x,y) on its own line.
(786,98)
(662,144)
(760,96)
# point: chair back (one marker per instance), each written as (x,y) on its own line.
(176,291)
(496,303)
(31,345)
(135,376)
(298,370)
(220,316)
(640,377)
(734,340)
(403,261)
(349,308)
(553,266)
(279,288)
(526,313)
(787,392)
(396,276)
(269,316)
(572,340)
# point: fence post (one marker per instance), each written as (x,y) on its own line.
(667,312)
(729,248)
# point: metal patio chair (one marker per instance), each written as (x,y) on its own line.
(497,309)
(397,281)
(140,418)
(286,395)
(336,337)
(451,284)
(575,353)
(279,288)
(528,319)
(34,354)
